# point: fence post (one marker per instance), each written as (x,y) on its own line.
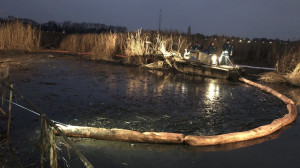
(2,111)
(3,94)
(9,111)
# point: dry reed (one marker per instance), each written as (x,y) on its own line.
(288,58)
(295,76)
(292,78)
(273,77)
(79,42)
(105,46)
(47,144)
(140,43)
(18,36)
(285,55)
(137,44)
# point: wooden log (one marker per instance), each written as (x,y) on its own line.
(122,135)
(193,150)
(269,90)
(162,137)
(245,135)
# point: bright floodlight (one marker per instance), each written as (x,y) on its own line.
(214,59)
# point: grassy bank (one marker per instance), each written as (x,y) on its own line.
(18,36)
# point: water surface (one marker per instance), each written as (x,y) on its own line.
(85,93)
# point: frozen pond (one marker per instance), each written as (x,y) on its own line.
(86,93)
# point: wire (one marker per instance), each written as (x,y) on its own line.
(16,104)
(51,123)
(234,68)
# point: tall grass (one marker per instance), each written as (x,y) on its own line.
(288,58)
(18,36)
(137,44)
(79,42)
(102,46)
(294,76)
(132,45)
(258,52)
(287,67)
(105,46)
(285,56)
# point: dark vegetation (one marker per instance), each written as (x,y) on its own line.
(67,27)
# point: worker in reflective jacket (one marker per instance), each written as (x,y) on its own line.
(211,51)
(226,52)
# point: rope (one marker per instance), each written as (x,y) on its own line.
(16,104)
(51,123)
(234,68)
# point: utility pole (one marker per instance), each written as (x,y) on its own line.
(189,30)
(159,21)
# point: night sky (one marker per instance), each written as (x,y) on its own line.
(251,18)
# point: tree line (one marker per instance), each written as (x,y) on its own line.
(68,27)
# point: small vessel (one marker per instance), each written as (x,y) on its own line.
(197,63)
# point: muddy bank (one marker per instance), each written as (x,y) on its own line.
(79,92)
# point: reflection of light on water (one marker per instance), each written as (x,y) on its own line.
(211,115)
(183,88)
(213,91)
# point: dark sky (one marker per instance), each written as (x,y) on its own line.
(244,18)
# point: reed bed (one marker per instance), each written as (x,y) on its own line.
(79,42)
(137,44)
(295,75)
(288,58)
(287,66)
(130,45)
(258,52)
(105,46)
(283,55)
(18,36)
(292,78)
(273,77)
(140,43)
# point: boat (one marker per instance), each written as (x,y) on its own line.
(197,63)
(213,71)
